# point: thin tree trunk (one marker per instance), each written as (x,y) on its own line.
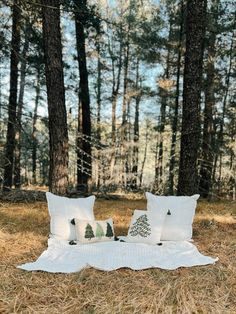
(207,149)
(155,186)
(124,127)
(221,130)
(162,121)
(144,158)
(159,165)
(99,84)
(136,129)
(1,60)
(190,134)
(114,97)
(12,107)
(17,167)
(215,157)
(58,134)
(34,138)
(84,149)
(174,125)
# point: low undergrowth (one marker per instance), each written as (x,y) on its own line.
(24,229)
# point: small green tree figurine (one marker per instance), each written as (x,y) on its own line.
(89,232)
(99,231)
(109,232)
(141,227)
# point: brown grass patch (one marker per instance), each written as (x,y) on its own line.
(206,289)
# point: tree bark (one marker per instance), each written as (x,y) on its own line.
(58,134)
(17,166)
(136,130)
(114,97)
(159,159)
(190,134)
(34,129)
(222,121)
(99,85)
(84,171)
(161,128)
(174,125)
(144,157)
(124,126)
(12,107)
(207,138)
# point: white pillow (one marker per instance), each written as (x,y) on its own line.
(180,214)
(146,227)
(63,209)
(90,231)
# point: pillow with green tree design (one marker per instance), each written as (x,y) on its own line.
(90,231)
(146,227)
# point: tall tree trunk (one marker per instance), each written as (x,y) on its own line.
(99,85)
(190,134)
(221,130)
(34,129)
(159,160)
(12,107)
(174,125)
(17,167)
(214,146)
(163,96)
(136,129)
(114,97)
(144,157)
(124,127)
(207,149)
(0,90)
(84,149)
(58,134)
(232,163)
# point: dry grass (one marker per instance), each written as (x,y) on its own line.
(206,289)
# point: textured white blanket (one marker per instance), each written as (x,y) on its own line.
(60,257)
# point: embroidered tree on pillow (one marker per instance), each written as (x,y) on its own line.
(99,231)
(89,232)
(109,232)
(141,227)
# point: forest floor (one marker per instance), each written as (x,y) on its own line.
(24,229)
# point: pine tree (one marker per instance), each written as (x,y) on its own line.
(190,134)
(84,119)
(18,134)
(99,231)
(205,183)
(109,232)
(12,107)
(89,232)
(174,124)
(58,133)
(141,227)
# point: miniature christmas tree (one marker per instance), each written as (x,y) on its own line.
(141,227)
(99,231)
(109,232)
(89,232)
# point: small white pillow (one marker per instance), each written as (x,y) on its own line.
(90,231)
(63,209)
(146,227)
(180,214)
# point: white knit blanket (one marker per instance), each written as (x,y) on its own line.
(60,257)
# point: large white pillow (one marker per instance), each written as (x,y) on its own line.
(63,209)
(146,227)
(180,214)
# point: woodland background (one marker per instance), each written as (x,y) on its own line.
(114,96)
